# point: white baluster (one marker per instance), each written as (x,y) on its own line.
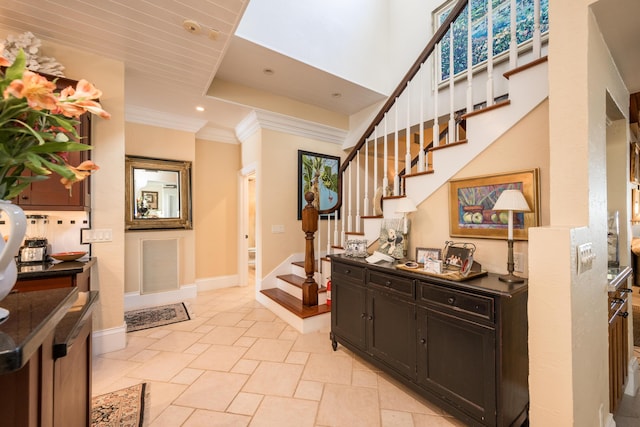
(385,164)
(375,163)
(329,233)
(366,178)
(436,79)
(350,216)
(469,62)
(421,166)
(396,183)
(407,156)
(513,42)
(537,39)
(451,133)
(489,53)
(318,252)
(358,192)
(343,222)
(336,240)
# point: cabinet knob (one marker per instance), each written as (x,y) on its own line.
(388,283)
(24,197)
(423,341)
(624,314)
(625,290)
(451,300)
(370,317)
(347,271)
(363,315)
(618,300)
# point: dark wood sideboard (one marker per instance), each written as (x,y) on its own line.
(461,345)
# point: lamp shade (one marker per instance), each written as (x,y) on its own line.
(511,200)
(406,205)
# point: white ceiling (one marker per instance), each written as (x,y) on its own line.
(149,38)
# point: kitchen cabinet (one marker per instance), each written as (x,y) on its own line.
(462,345)
(50,194)
(618,334)
(41,276)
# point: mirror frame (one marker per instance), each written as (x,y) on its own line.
(184,171)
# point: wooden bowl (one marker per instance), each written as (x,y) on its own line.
(67,256)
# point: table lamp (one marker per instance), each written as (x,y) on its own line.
(405,205)
(511,200)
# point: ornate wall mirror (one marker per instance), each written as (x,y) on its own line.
(158,194)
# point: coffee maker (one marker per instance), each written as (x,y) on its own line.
(36,248)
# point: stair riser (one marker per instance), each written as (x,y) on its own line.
(297,292)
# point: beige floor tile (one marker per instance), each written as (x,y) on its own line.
(245,341)
(188,325)
(144,355)
(269,349)
(396,418)
(135,344)
(344,405)
(285,412)
(172,416)
(364,378)
(212,390)
(424,420)
(310,390)
(245,404)
(265,330)
(289,334)
(314,342)
(297,357)
(226,335)
(225,319)
(276,379)
(204,329)
(396,397)
(106,372)
(202,418)
(161,395)
(158,333)
(218,358)
(177,341)
(197,348)
(328,368)
(260,314)
(187,376)
(245,366)
(162,367)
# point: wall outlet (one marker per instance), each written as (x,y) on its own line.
(276,229)
(518,262)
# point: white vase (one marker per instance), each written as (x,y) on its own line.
(15,217)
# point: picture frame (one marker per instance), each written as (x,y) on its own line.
(356,248)
(151,198)
(471,202)
(318,173)
(424,254)
(634,165)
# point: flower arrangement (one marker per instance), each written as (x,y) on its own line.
(37,127)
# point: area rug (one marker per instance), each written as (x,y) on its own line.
(146,318)
(121,408)
(636,326)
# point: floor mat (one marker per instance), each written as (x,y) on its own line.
(152,317)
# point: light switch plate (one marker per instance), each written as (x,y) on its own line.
(585,257)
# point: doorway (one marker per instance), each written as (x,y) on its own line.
(248,247)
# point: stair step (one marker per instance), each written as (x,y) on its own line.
(298,281)
(294,305)
(301,265)
(525,66)
(451,144)
(485,109)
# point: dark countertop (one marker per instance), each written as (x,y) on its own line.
(71,324)
(54,268)
(489,283)
(33,316)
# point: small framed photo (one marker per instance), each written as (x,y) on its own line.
(151,198)
(424,254)
(356,248)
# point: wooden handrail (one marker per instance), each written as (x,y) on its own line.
(428,50)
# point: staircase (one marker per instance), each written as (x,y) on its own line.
(429,129)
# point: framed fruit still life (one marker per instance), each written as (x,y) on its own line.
(471,202)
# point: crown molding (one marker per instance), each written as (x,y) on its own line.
(209,133)
(258,119)
(147,116)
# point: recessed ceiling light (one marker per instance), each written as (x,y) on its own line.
(191,26)
(200,108)
(336,95)
(268,71)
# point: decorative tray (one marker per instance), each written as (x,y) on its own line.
(453,275)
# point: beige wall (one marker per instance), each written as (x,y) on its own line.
(526,147)
(277,195)
(568,313)
(216,192)
(162,143)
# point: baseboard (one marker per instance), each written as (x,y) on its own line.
(219,282)
(633,378)
(108,340)
(609,421)
(134,300)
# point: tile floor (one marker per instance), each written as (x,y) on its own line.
(237,364)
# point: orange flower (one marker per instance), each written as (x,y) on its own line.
(81,171)
(36,89)
(4,62)
(74,102)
